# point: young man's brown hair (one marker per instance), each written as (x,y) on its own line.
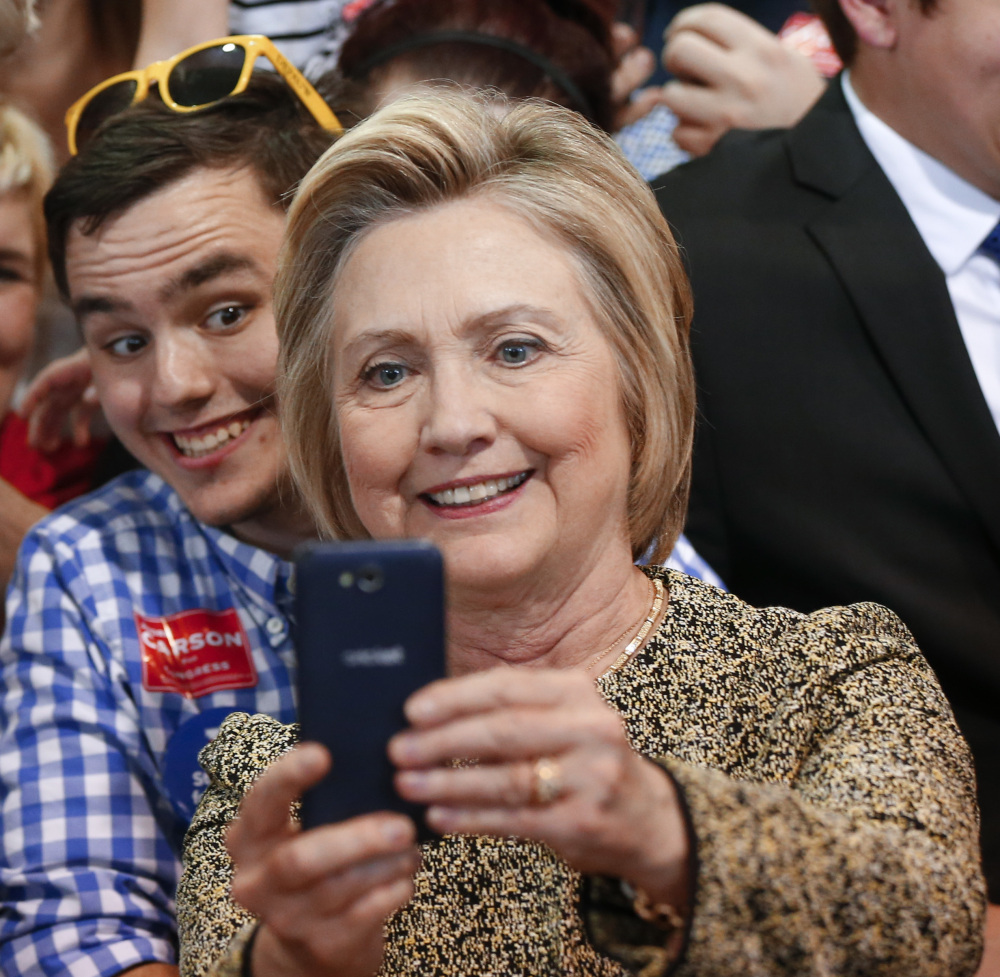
(148,147)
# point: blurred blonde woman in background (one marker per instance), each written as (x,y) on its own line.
(31,482)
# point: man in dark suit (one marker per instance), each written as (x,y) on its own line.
(847,348)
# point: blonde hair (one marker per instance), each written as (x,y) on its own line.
(560,175)
(26,165)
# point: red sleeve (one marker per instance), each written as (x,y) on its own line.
(48,479)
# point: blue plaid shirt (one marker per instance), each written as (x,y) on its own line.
(649,143)
(98,773)
(686,559)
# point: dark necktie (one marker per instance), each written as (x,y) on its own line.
(991,246)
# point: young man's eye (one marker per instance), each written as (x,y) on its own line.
(226,317)
(385,375)
(126,345)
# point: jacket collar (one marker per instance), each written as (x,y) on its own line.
(826,149)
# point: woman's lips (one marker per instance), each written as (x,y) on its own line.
(476,493)
(479,498)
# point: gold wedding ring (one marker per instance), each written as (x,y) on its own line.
(546,785)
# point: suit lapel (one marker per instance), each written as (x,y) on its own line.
(901,297)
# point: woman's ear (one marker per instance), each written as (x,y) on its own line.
(874,21)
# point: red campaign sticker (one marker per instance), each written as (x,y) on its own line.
(195,653)
(807,35)
(354,9)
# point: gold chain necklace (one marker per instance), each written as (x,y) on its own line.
(644,628)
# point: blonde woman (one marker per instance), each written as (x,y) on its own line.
(484,321)
(31,483)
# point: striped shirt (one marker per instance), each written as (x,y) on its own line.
(308,32)
(311,32)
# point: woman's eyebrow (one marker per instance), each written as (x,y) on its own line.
(513,315)
(379,337)
(478,322)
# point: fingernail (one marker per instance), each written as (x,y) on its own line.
(442,819)
(404,747)
(394,831)
(311,756)
(413,780)
(421,709)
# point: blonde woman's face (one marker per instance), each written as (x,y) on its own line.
(478,399)
(19,289)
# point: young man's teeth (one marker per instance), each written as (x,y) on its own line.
(196,447)
(466,494)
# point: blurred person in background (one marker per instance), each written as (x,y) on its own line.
(17,19)
(846,275)
(720,69)
(31,482)
(730,71)
(77,44)
(520,47)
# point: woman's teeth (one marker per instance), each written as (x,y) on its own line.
(480,492)
(198,447)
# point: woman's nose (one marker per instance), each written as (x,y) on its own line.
(461,415)
(185,371)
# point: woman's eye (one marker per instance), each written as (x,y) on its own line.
(386,374)
(126,345)
(517,352)
(227,317)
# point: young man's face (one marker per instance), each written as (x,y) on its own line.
(174,300)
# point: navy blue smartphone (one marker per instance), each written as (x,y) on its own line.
(369,632)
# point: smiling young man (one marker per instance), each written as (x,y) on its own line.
(141,615)
(173,299)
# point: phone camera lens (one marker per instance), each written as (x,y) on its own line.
(370,579)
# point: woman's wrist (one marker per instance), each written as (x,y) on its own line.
(236,962)
(265,955)
(660,872)
(664,915)
(246,968)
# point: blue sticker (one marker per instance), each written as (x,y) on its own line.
(183,777)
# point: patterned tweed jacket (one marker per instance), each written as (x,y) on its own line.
(829,794)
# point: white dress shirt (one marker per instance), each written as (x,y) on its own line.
(953,218)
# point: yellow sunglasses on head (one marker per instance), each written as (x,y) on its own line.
(195,78)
